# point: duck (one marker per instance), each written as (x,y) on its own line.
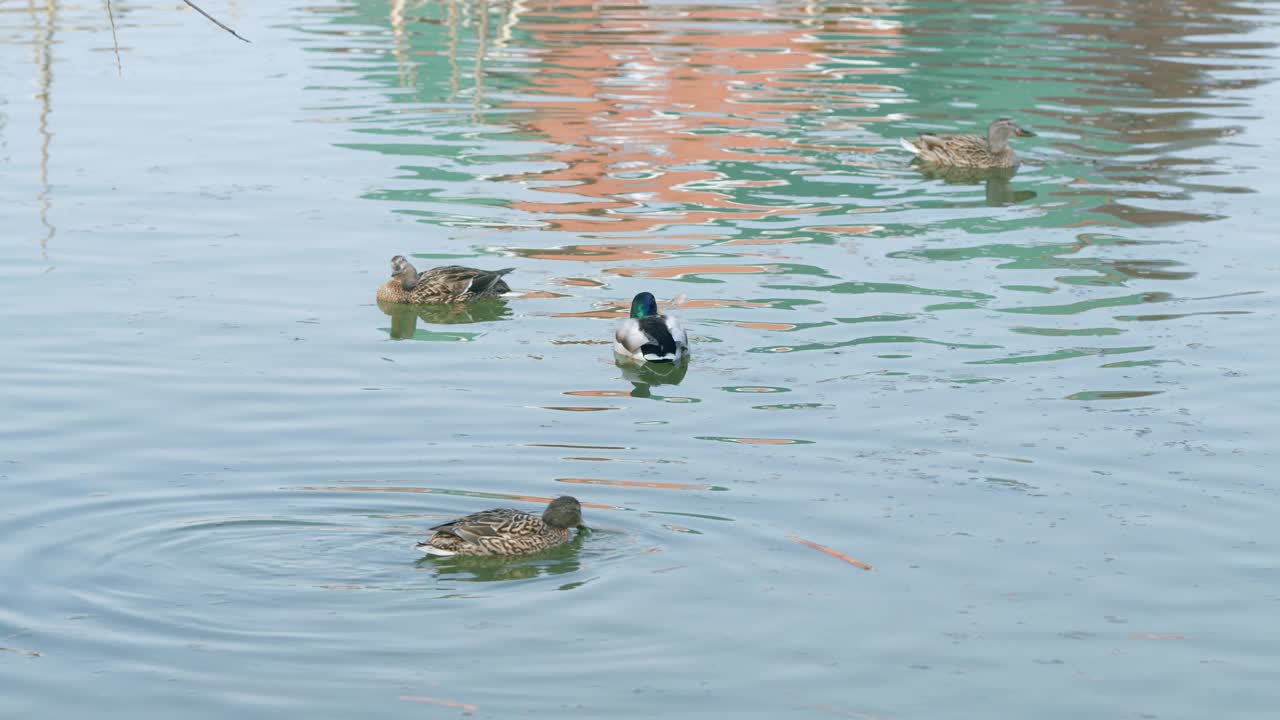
(506,531)
(445,284)
(972,151)
(647,336)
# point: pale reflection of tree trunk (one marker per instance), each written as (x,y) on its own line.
(453,21)
(813,12)
(43,44)
(482,47)
(510,21)
(406,69)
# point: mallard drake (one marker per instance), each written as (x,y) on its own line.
(974,151)
(505,531)
(445,284)
(647,336)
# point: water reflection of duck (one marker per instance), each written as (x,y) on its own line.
(505,531)
(996,181)
(647,336)
(445,284)
(971,151)
(647,375)
(404,318)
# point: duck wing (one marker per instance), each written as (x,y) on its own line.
(489,282)
(929,141)
(465,283)
(952,142)
(487,523)
(955,149)
(629,335)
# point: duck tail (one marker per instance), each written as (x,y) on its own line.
(909,146)
(428,549)
(655,354)
(486,281)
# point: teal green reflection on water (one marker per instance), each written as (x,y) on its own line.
(872,340)
(1036,402)
(1061,355)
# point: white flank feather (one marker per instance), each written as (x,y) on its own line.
(629,338)
(677,332)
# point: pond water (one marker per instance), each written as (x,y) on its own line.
(1038,406)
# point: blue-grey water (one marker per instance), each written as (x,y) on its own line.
(1042,407)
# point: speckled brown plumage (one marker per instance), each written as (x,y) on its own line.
(973,151)
(505,531)
(445,284)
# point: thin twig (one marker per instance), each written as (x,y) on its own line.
(115,43)
(214,20)
(437,701)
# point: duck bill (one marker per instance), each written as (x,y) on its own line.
(1025,133)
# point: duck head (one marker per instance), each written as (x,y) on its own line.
(643,305)
(999,132)
(403,269)
(563,512)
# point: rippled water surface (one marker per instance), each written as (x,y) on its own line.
(1040,406)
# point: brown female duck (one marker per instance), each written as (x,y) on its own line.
(446,284)
(505,531)
(972,151)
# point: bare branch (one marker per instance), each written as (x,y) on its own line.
(115,43)
(214,20)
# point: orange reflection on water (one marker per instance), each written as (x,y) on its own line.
(764,241)
(695,304)
(635,94)
(579,282)
(679,271)
(620,309)
(634,484)
(601,253)
(782,327)
(541,295)
(828,551)
(440,491)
